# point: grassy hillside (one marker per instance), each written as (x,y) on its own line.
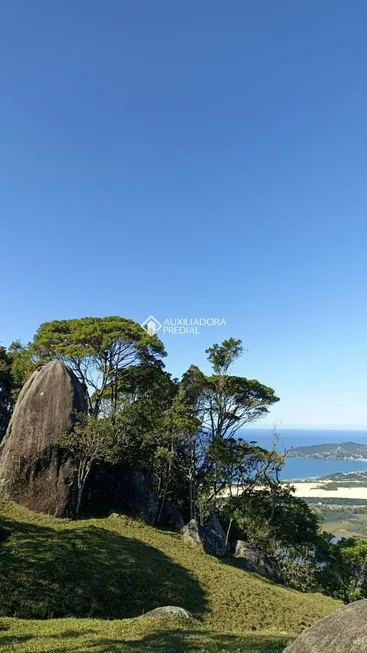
(130,636)
(117,568)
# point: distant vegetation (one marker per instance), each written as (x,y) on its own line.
(344,480)
(341,451)
(342,517)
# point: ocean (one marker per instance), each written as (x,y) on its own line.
(302,468)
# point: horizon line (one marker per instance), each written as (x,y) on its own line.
(308,427)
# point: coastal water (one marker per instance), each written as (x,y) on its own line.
(301,468)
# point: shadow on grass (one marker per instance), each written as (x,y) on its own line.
(170,641)
(7,640)
(200,641)
(87,572)
(238,563)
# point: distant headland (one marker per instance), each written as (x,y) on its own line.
(340,451)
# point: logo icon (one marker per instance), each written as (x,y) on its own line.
(151,325)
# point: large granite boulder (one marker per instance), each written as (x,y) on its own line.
(210,538)
(257,562)
(169,612)
(344,631)
(34,470)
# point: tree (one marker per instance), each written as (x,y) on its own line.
(342,568)
(287,520)
(6,388)
(23,363)
(145,394)
(91,440)
(175,432)
(229,402)
(99,351)
(224,403)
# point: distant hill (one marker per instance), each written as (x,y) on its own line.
(340,451)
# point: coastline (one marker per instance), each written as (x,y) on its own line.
(315,490)
(350,459)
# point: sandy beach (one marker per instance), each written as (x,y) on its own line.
(314,489)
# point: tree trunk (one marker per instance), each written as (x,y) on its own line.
(228,530)
(191,499)
(79,498)
(165,492)
(192,480)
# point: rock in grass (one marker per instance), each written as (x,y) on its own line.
(169,612)
(215,537)
(344,631)
(34,470)
(255,561)
(210,538)
(193,534)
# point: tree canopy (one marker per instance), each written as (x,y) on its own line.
(6,391)
(99,351)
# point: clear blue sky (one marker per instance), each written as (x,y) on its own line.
(194,159)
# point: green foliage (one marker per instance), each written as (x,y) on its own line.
(15,368)
(343,569)
(23,363)
(223,404)
(6,387)
(145,394)
(99,351)
(221,357)
(91,440)
(280,525)
(174,464)
(298,567)
(273,518)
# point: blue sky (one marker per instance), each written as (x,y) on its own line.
(194,159)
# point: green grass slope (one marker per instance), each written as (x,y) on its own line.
(129,636)
(118,568)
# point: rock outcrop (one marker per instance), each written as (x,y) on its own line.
(123,489)
(210,538)
(344,631)
(215,538)
(138,495)
(255,561)
(171,518)
(169,612)
(34,471)
(193,534)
